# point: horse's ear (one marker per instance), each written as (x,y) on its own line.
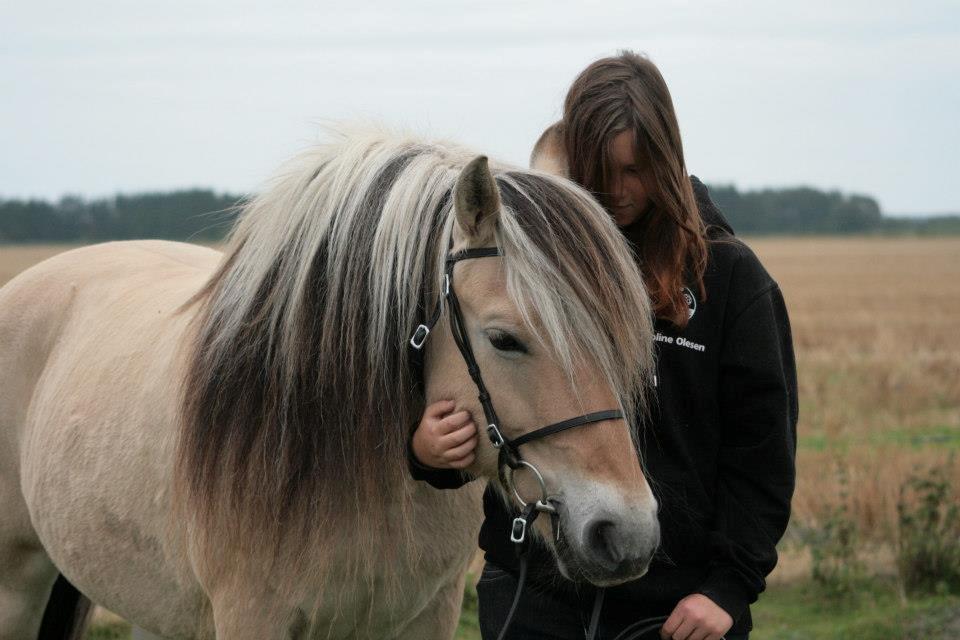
(548,154)
(477,201)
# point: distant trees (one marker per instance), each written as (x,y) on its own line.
(797,210)
(201,215)
(196,214)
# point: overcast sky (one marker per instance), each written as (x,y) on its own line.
(103,96)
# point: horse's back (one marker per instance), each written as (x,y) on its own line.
(89,344)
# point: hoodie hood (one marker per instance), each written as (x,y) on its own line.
(709,211)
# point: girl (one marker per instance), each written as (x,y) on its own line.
(719,447)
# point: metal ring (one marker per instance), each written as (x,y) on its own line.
(543,503)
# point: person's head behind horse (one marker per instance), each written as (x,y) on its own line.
(619,138)
(300,394)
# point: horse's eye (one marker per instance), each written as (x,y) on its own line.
(503,341)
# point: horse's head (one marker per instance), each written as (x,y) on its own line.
(559,327)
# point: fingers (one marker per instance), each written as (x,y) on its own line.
(458,453)
(455,420)
(444,439)
(699,634)
(438,409)
(458,437)
(684,631)
(671,625)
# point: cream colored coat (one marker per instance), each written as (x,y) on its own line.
(86,453)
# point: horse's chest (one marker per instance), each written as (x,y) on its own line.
(386,592)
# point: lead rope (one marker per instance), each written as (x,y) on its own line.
(518,536)
(595,616)
(635,631)
(641,628)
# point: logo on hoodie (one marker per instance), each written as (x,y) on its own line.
(691,301)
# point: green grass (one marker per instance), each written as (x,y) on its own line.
(944,437)
(469,628)
(785,612)
(802,612)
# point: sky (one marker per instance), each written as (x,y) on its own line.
(108,96)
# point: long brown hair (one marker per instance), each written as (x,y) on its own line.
(627,93)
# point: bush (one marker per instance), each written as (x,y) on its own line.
(928,549)
(837,568)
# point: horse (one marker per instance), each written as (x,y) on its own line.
(215,445)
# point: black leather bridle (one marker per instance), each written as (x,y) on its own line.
(508,458)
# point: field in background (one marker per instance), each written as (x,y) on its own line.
(16,258)
(876,324)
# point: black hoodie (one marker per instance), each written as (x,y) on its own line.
(719,448)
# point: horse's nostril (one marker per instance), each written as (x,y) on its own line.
(600,538)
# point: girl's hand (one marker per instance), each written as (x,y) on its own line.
(696,617)
(443,439)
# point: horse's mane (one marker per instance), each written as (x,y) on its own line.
(299,396)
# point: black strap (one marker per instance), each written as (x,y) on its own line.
(479,252)
(598,416)
(595,616)
(529,516)
(516,598)
(462,340)
(419,337)
(432,321)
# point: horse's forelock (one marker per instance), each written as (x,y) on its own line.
(569,268)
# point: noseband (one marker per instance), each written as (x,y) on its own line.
(508,458)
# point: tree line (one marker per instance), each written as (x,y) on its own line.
(195,215)
(808,211)
(201,215)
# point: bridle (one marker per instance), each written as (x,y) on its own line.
(508,457)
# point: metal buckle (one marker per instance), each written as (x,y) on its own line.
(496,438)
(419,337)
(546,507)
(519,530)
(446,285)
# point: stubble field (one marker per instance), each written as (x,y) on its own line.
(876,327)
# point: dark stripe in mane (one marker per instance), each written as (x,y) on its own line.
(316,422)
